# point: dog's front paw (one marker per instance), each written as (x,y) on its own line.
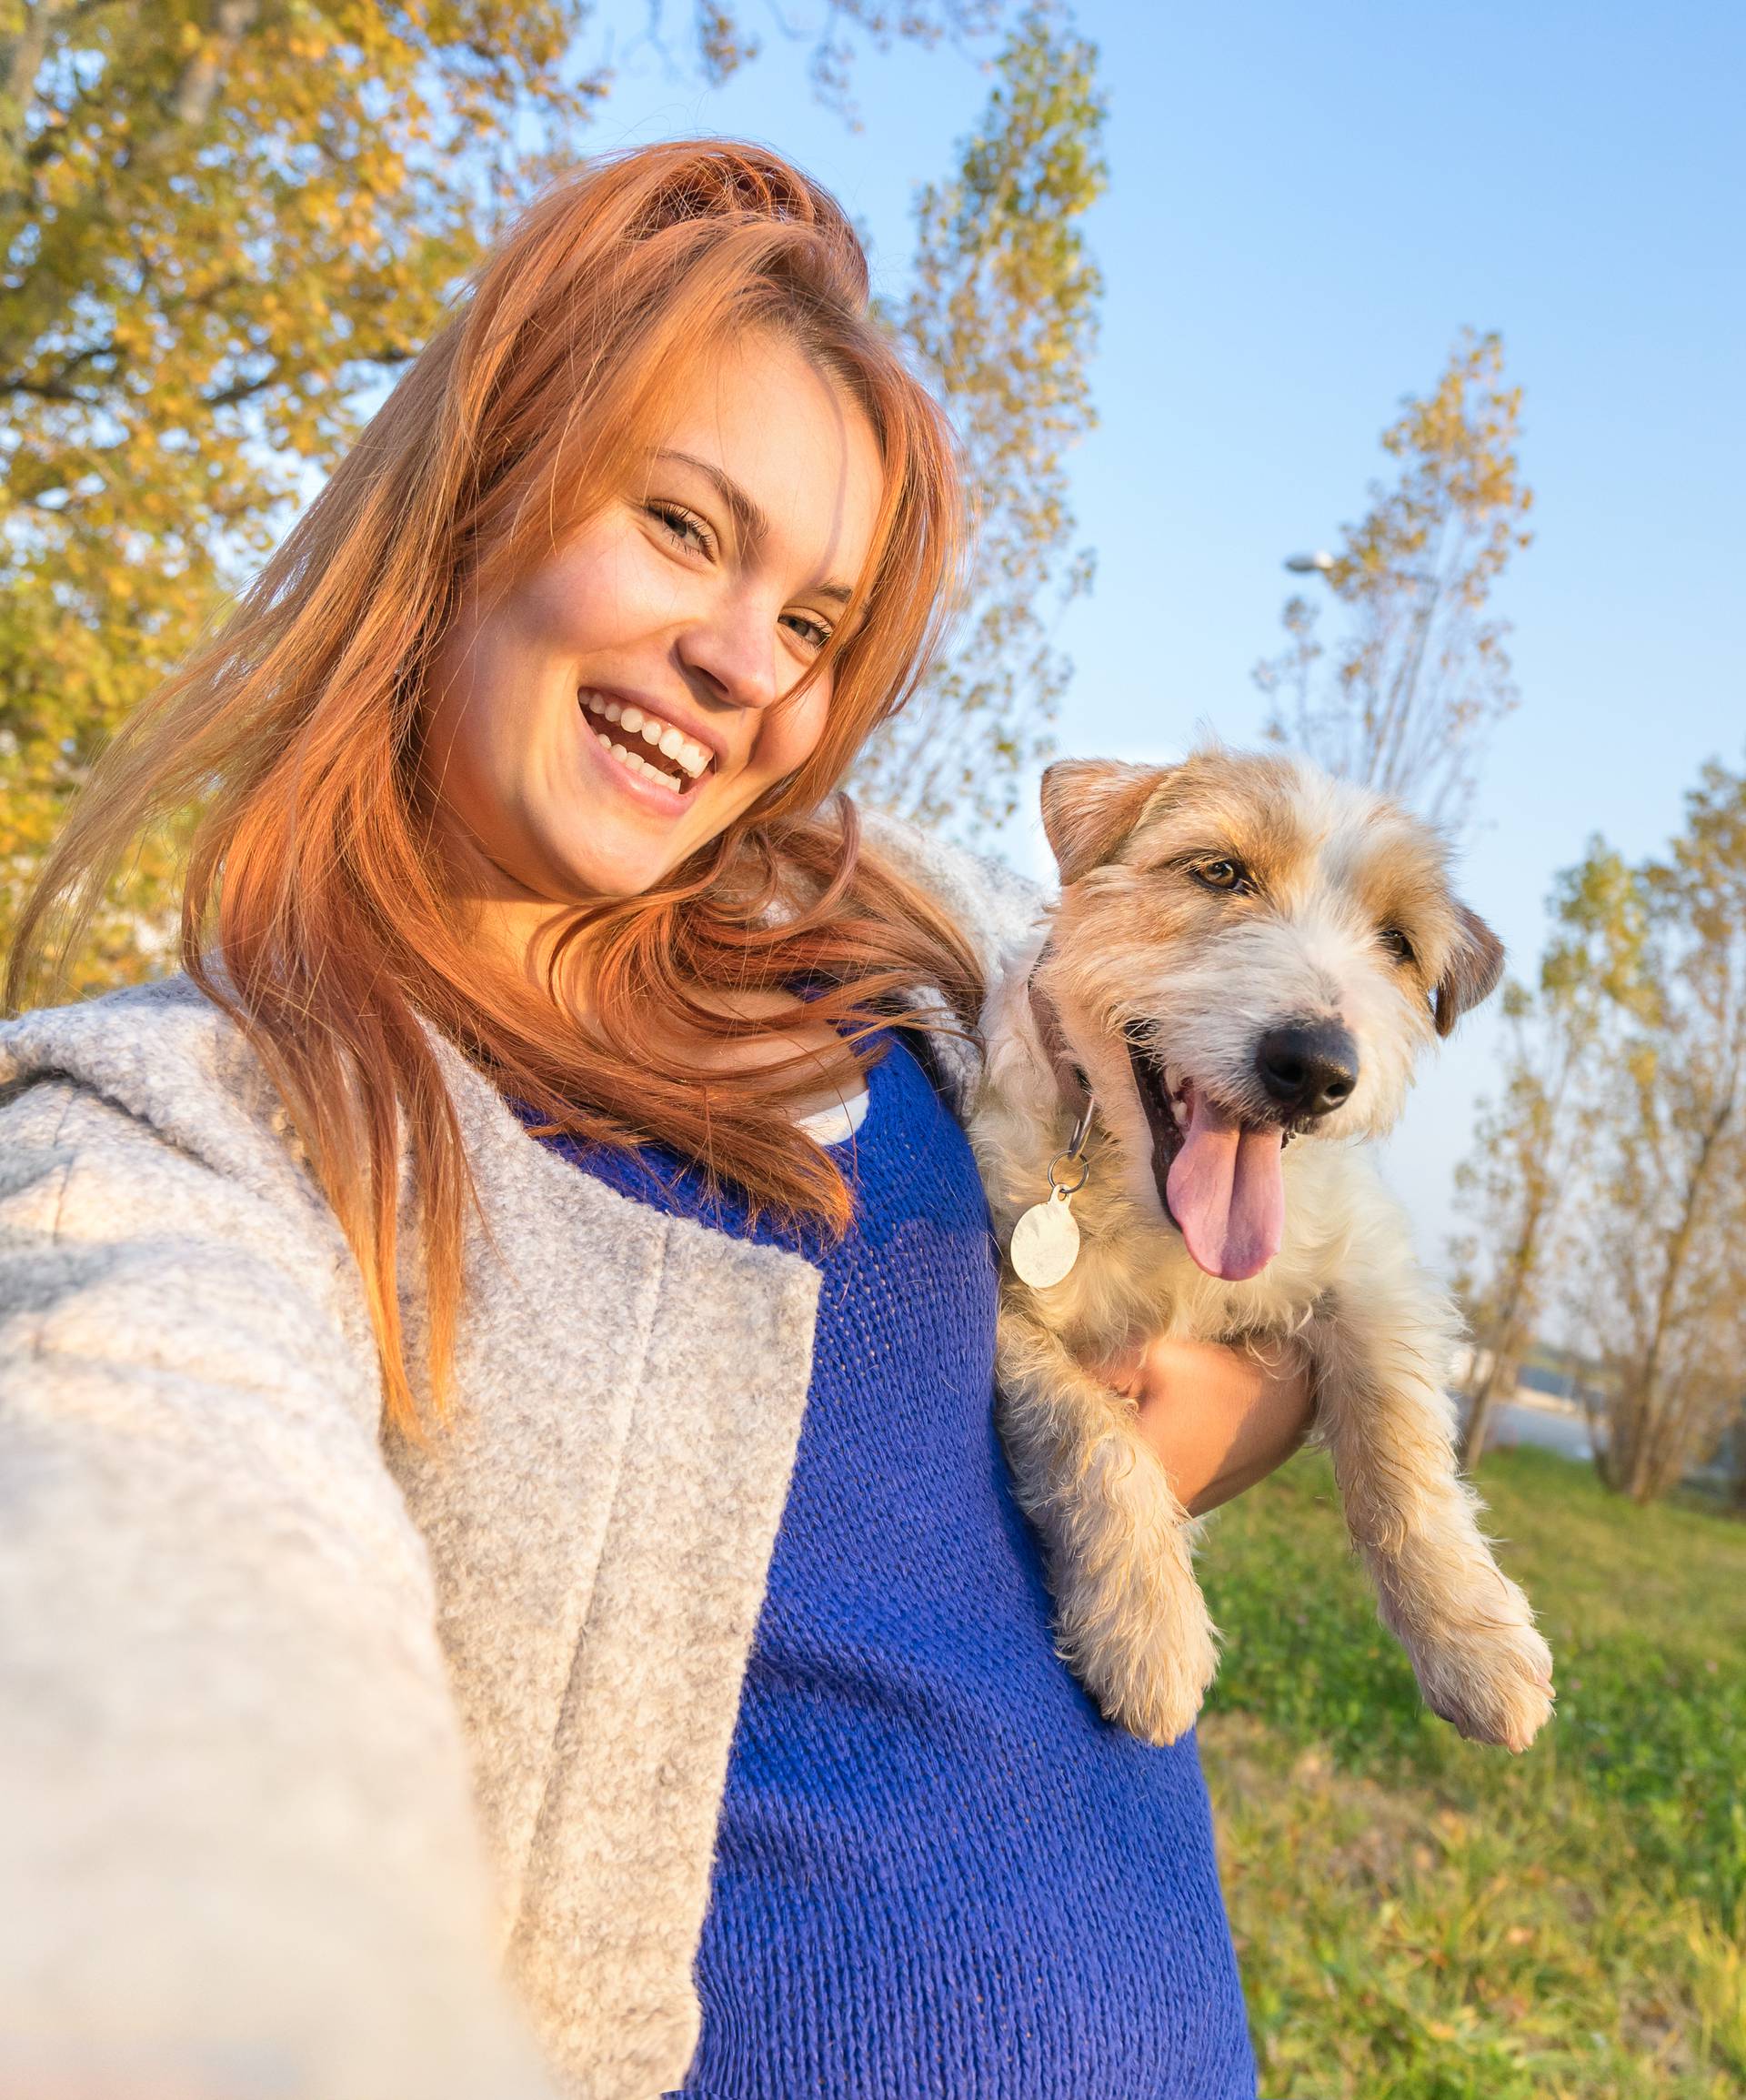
(1486,1670)
(1145,1649)
(1160,1701)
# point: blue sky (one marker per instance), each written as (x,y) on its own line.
(1307,202)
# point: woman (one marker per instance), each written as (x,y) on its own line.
(415,1567)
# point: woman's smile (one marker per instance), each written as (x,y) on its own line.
(646,746)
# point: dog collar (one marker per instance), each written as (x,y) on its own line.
(1045,1242)
(1076,1090)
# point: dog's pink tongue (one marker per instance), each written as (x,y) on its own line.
(1226,1192)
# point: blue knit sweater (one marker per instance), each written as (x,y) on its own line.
(940,1874)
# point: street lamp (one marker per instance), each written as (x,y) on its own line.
(1319,564)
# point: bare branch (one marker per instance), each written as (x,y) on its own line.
(1405,702)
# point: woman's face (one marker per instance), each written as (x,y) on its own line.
(634,695)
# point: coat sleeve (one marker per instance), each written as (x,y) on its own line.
(237,1848)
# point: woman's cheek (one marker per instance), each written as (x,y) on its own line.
(786,744)
(609,589)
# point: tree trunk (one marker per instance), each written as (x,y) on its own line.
(1510,1329)
(1506,1347)
(1615,1461)
(1471,1448)
(1646,1475)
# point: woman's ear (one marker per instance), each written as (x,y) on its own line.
(1471,972)
(1090,807)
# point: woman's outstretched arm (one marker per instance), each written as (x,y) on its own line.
(237,1844)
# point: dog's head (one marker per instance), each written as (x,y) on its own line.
(1245,951)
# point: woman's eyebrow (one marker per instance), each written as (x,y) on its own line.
(749,521)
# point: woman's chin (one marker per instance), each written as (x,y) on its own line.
(614,859)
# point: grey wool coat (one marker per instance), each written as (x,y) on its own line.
(332,1768)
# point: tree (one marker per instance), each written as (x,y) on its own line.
(1406,699)
(221,223)
(1520,1180)
(1615,1157)
(1003,319)
(1666,1241)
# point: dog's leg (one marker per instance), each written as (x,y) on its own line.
(1382,1349)
(1132,1624)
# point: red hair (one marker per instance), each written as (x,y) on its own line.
(314,909)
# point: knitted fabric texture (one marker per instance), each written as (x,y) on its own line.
(937,1870)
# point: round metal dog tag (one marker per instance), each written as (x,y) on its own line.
(1045,1242)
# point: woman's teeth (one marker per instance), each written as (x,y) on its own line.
(638,723)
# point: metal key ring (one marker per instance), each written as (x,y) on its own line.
(1068,1188)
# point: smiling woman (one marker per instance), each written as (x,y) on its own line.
(499,1489)
(664,455)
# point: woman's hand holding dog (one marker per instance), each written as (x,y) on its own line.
(1219,1417)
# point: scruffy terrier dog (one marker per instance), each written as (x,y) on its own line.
(1245,962)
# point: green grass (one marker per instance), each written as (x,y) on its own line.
(1421,1918)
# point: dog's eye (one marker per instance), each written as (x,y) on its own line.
(1230,875)
(1397,943)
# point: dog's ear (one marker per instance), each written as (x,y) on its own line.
(1471,972)
(1090,806)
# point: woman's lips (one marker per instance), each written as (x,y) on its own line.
(642,737)
(646,786)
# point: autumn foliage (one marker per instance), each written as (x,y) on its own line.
(227,226)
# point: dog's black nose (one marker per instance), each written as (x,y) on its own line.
(1309,1067)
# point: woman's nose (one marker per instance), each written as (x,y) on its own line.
(733,651)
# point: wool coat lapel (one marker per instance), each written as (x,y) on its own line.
(601,1533)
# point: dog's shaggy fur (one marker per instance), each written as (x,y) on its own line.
(1202,906)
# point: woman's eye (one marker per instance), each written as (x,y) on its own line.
(685,526)
(813,632)
(1228,875)
(1397,943)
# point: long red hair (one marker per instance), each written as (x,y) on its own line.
(314,909)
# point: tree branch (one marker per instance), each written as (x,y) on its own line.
(192,97)
(244,389)
(57,386)
(21,60)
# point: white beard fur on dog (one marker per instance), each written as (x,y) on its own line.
(1137,943)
